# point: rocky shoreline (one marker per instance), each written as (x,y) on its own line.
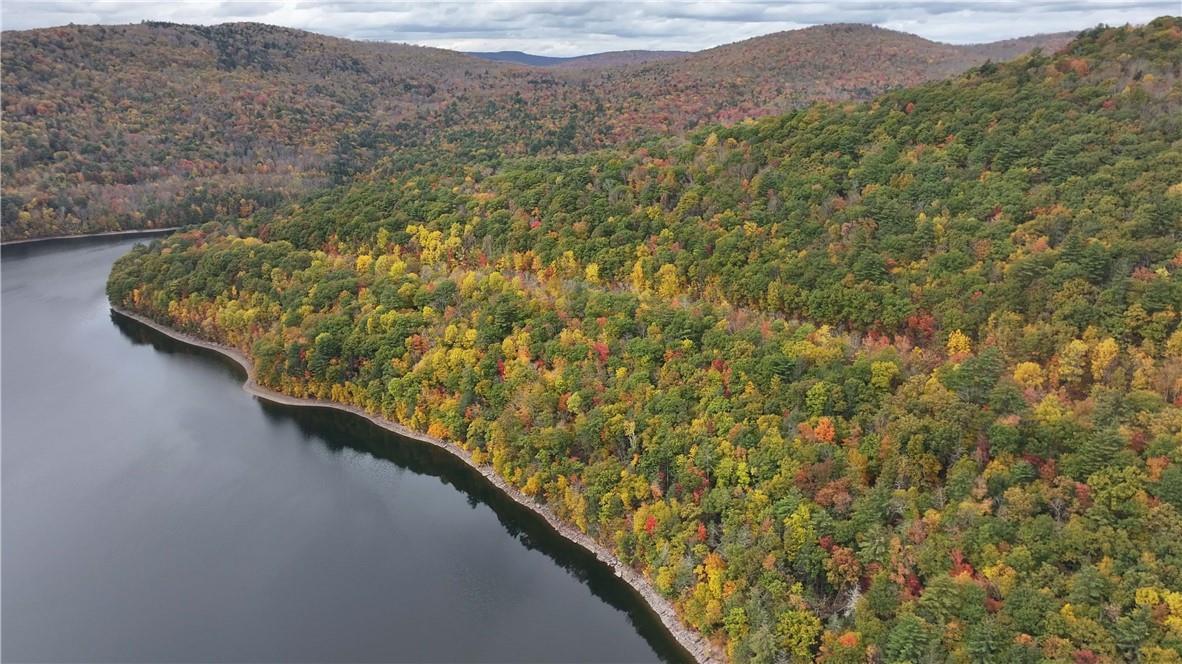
(697,646)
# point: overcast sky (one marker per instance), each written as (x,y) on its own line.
(572,28)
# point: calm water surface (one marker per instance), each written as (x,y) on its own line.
(153,511)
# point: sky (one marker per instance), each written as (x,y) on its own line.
(579,27)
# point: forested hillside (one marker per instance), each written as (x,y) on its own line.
(778,72)
(894,381)
(114,127)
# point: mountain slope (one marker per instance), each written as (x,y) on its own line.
(892,381)
(111,127)
(778,72)
(161,124)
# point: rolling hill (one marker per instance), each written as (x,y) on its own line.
(117,127)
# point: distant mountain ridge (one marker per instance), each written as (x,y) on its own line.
(777,72)
(1004,49)
(158,124)
(605,58)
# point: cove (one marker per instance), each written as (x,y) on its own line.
(153,511)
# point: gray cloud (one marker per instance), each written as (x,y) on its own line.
(570,28)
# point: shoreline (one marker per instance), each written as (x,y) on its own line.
(696,645)
(130,232)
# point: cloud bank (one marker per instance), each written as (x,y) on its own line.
(578,27)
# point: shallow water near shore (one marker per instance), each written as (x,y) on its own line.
(153,511)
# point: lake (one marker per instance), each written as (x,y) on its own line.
(154,511)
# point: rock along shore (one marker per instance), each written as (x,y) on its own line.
(697,646)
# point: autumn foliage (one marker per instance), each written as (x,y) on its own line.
(159,124)
(898,381)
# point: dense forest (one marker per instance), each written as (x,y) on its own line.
(157,125)
(894,381)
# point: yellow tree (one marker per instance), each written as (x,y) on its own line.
(668,283)
(1029,375)
(959,343)
(1103,356)
(1073,362)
